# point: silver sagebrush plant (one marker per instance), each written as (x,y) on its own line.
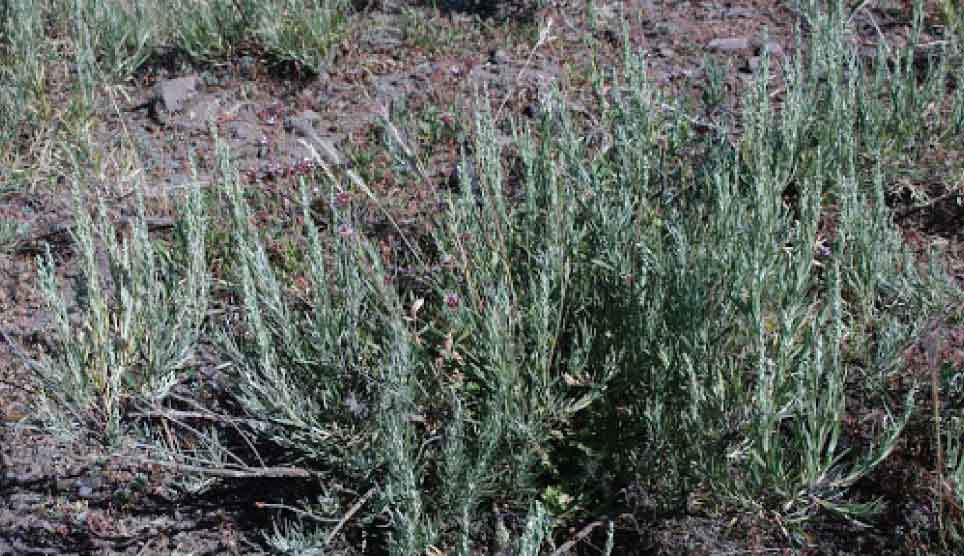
(666,312)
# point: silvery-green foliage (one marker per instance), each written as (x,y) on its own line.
(116,37)
(537,527)
(138,315)
(21,70)
(303,31)
(103,42)
(305,372)
(954,467)
(209,28)
(688,311)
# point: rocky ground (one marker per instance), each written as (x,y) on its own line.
(426,68)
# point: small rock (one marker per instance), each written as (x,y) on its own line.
(169,96)
(243,132)
(248,67)
(728,45)
(773,47)
(737,13)
(647,8)
(665,28)
(357,408)
(424,69)
(752,64)
(498,57)
(383,38)
(173,94)
(302,121)
(177,180)
(199,114)
(604,11)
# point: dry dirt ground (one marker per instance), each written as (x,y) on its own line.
(427,65)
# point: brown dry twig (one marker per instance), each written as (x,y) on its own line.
(339,524)
(49,389)
(348,515)
(235,473)
(582,534)
(544,37)
(299,511)
(61,233)
(931,345)
(917,208)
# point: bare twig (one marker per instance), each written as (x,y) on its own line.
(61,233)
(339,523)
(348,515)
(293,509)
(932,350)
(172,439)
(240,473)
(544,37)
(203,413)
(857,9)
(917,208)
(49,391)
(174,415)
(582,534)
(385,114)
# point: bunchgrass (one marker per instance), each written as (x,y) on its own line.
(103,42)
(21,64)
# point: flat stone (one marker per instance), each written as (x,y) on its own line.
(170,96)
(665,28)
(605,11)
(306,119)
(774,48)
(647,8)
(728,45)
(248,67)
(243,131)
(173,94)
(498,56)
(737,13)
(197,115)
(382,34)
